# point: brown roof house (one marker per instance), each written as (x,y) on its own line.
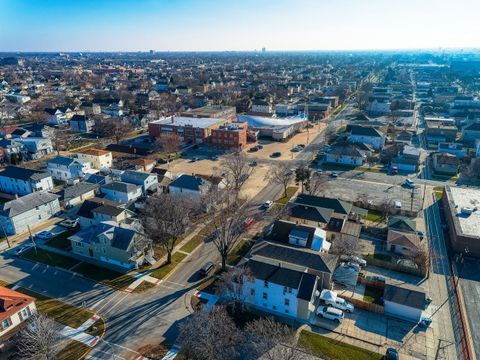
(402,237)
(445,163)
(15,309)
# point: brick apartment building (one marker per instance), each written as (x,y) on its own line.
(231,136)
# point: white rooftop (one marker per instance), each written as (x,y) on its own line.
(196,122)
(466,200)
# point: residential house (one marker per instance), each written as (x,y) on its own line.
(64,168)
(367,135)
(284,280)
(142,164)
(345,155)
(408,159)
(74,195)
(404,301)
(471,133)
(16,215)
(305,236)
(440,131)
(15,309)
(21,181)
(37,147)
(99,159)
(99,179)
(189,186)
(95,210)
(121,192)
(403,243)
(452,148)
(148,181)
(81,123)
(109,243)
(445,164)
(57,116)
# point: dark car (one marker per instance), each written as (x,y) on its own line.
(391,354)
(207,268)
(253,149)
(276,154)
(259,147)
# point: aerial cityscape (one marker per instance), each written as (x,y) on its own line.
(204,180)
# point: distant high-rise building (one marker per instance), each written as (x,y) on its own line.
(151,51)
(264,49)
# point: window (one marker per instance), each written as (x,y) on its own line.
(265,283)
(286,311)
(287,302)
(274,307)
(265,296)
(252,292)
(6,323)
(286,290)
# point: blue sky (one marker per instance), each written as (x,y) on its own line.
(176,25)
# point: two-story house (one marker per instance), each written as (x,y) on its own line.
(367,135)
(99,159)
(15,309)
(16,215)
(148,182)
(96,210)
(286,280)
(65,168)
(21,181)
(111,244)
(76,194)
(121,192)
(81,123)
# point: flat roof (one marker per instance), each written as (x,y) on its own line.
(196,122)
(467,199)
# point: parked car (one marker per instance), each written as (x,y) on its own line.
(69,223)
(395,170)
(194,159)
(375,278)
(330,313)
(44,235)
(301,146)
(334,175)
(420,234)
(391,354)
(409,183)
(398,204)
(22,249)
(267,204)
(259,147)
(214,157)
(254,163)
(322,153)
(358,260)
(207,268)
(353,265)
(296,149)
(276,154)
(253,149)
(341,304)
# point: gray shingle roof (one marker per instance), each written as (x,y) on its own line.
(26,203)
(71,192)
(408,295)
(188,182)
(20,173)
(121,187)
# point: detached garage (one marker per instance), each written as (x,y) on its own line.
(406,302)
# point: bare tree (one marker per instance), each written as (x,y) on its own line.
(329,133)
(345,245)
(60,139)
(234,285)
(315,184)
(228,216)
(266,338)
(168,143)
(281,174)
(210,335)
(164,219)
(113,128)
(236,169)
(40,339)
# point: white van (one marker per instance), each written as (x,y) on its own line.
(330,313)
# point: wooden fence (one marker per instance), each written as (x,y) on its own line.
(365,305)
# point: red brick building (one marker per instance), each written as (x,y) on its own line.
(231,136)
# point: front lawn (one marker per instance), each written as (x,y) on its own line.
(109,277)
(163,270)
(379,256)
(73,350)
(291,190)
(368,169)
(144,286)
(50,258)
(327,348)
(239,251)
(193,243)
(374,216)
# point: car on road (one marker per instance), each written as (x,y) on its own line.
(22,249)
(334,175)
(254,163)
(276,154)
(44,235)
(341,304)
(391,354)
(69,223)
(409,183)
(207,268)
(267,204)
(329,312)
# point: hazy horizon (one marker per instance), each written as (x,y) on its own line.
(237,25)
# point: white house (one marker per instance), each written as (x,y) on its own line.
(404,301)
(100,159)
(367,135)
(65,168)
(146,180)
(15,308)
(189,186)
(345,155)
(16,215)
(121,192)
(21,181)
(285,280)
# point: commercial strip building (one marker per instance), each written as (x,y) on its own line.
(462,212)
